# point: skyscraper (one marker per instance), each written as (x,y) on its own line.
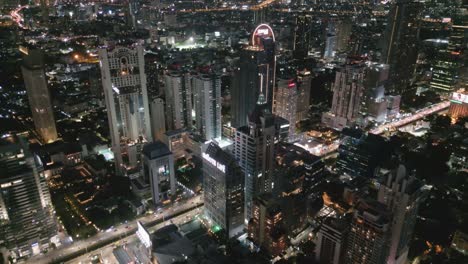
(369,235)
(38,94)
(347,94)
(207,105)
(255,75)
(253,150)
(400,44)
(158,118)
(124,82)
(158,170)
(402,194)
(304,79)
(178,91)
(331,241)
(223,184)
(286,102)
(26,213)
(302,36)
(266,228)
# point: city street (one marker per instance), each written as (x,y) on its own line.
(119,232)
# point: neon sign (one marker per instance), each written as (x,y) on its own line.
(213,162)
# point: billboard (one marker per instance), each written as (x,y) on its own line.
(143,235)
(460,98)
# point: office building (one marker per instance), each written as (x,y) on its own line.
(302,36)
(400,44)
(158,119)
(255,75)
(28,224)
(286,97)
(207,105)
(266,228)
(178,91)
(223,185)
(124,82)
(304,84)
(253,150)
(158,170)
(402,194)
(458,105)
(348,90)
(38,94)
(331,241)
(369,234)
(360,154)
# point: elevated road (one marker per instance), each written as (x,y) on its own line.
(80,247)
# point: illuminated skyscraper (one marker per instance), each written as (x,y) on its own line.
(223,186)
(402,194)
(254,76)
(158,170)
(124,82)
(302,36)
(178,91)
(27,223)
(253,150)
(158,118)
(286,102)
(369,235)
(347,94)
(207,105)
(38,94)
(400,44)
(304,80)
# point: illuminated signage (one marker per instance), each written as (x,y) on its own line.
(143,235)
(213,162)
(460,97)
(262,31)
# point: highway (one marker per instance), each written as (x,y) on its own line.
(106,251)
(77,248)
(420,114)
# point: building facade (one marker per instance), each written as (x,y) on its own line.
(178,91)
(39,95)
(255,75)
(207,105)
(28,224)
(124,82)
(158,170)
(223,184)
(286,98)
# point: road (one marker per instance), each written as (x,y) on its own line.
(121,231)
(106,251)
(412,118)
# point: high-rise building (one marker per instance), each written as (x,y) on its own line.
(158,170)
(331,241)
(304,83)
(253,150)
(178,91)
(302,36)
(124,82)
(347,95)
(402,194)
(286,98)
(223,186)
(266,228)
(255,75)
(38,94)
(449,61)
(27,223)
(369,234)
(207,105)
(360,154)
(158,118)
(400,44)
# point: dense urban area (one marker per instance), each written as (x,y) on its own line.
(207,132)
